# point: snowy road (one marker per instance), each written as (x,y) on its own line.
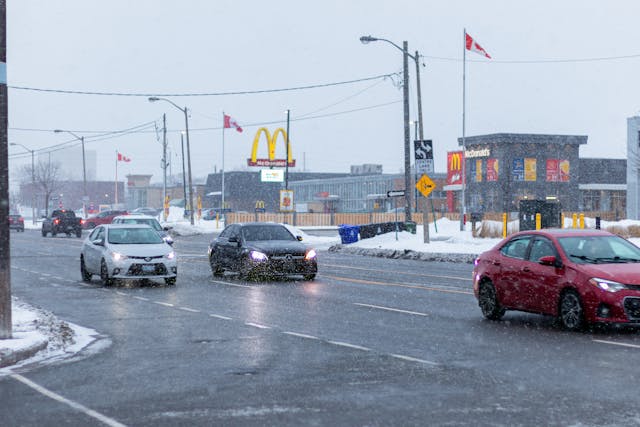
(372,341)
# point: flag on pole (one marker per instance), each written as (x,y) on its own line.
(123,158)
(230,122)
(471,45)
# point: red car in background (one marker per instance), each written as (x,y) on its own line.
(579,276)
(16,222)
(104,217)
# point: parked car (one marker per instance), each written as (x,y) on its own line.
(104,217)
(145,219)
(580,276)
(146,211)
(16,222)
(257,249)
(62,221)
(127,251)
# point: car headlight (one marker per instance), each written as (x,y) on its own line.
(257,256)
(117,256)
(607,285)
(170,255)
(311,254)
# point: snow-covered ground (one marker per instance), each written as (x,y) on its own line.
(32,326)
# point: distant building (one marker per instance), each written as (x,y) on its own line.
(633,167)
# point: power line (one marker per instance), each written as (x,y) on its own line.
(244,92)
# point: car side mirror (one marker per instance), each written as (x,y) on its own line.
(167,228)
(550,260)
(299,238)
(98,242)
(234,239)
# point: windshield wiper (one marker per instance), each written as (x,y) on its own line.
(619,259)
(585,258)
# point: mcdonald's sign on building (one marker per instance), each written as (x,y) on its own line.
(455,163)
(271,149)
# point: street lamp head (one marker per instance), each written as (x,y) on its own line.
(153,99)
(367,39)
(58,130)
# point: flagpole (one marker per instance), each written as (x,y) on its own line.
(116,182)
(463,209)
(222,192)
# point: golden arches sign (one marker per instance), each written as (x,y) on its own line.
(271,147)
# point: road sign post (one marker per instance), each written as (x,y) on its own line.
(425,186)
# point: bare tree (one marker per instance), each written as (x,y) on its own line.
(48,179)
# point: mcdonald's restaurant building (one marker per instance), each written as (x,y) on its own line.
(502,169)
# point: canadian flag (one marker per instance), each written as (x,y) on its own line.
(123,158)
(471,45)
(230,122)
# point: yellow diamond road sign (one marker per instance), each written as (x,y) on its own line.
(425,185)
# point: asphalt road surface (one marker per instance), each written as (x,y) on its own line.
(371,341)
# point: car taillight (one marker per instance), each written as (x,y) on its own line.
(56,221)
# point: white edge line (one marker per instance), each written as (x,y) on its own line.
(397,310)
(142,298)
(618,343)
(121,293)
(257,325)
(217,316)
(90,412)
(345,344)
(413,359)
(296,334)
(190,310)
(166,304)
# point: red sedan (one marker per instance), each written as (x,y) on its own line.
(580,276)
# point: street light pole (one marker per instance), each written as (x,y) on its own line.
(33,182)
(407,130)
(286,167)
(186,127)
(84,170)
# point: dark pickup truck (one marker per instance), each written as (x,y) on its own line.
(62,221)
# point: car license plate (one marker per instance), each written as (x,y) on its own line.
(148,268)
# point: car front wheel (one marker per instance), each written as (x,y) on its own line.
(309,276)
(104,274)
(488,302)
(171,281)
(86,276)
(571,314)
(215,267)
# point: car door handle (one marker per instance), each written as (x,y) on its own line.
(526,269)
(496,262)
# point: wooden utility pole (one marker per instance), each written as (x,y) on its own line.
(5,256)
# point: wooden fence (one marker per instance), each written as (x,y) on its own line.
(336,219)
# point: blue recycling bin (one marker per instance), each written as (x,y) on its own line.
(348,233)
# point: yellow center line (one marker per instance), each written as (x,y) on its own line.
(402,285)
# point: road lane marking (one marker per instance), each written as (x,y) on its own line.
(296,334)
(142,298)
(346,344)
(190,310)
(413,359)
(465,278)
(75,405)
(397,310)
(122,293)
(166,304)
(257,325)
(401,285)
(237,285)
(618,343)
(217,316)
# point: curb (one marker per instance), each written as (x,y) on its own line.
(405,254)
(11,357)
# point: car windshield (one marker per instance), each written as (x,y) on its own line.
(599,249)
(153,223)
(254,233)
(134,236)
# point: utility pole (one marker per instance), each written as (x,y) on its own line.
(164,164)
(407,133)
(5,255)
(425,209)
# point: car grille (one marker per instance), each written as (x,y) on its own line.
(632,308)
(286,263)
(146,258)
(144,270)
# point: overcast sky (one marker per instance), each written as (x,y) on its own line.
(536,82)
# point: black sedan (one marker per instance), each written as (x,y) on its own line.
(261,249)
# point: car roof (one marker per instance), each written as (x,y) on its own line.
(113,226)
(567,232)
(134,217)
(244,224)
